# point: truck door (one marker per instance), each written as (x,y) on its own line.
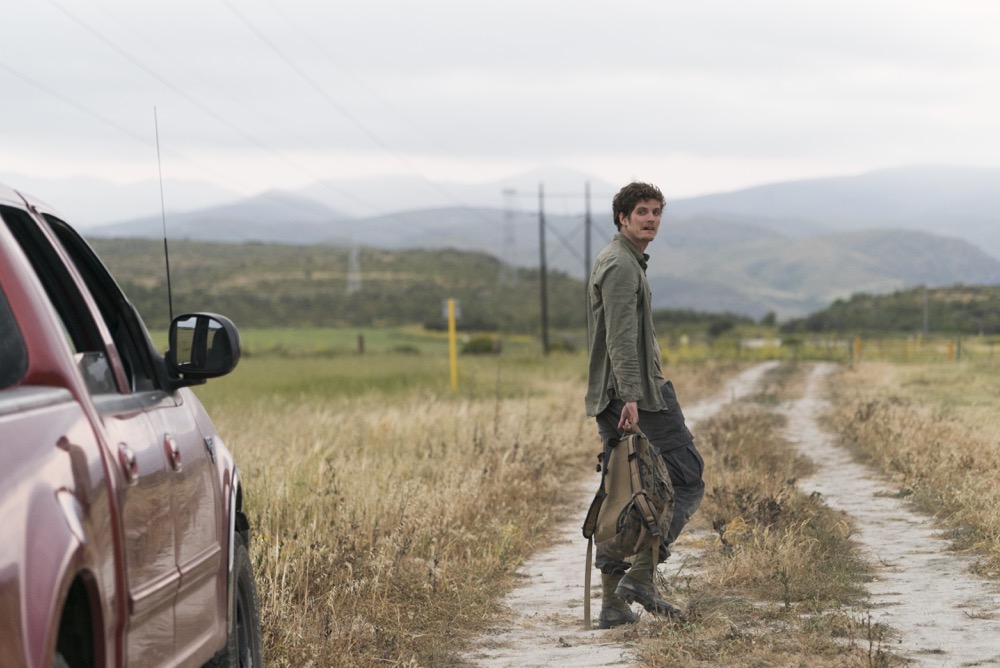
(144,478)
(187,488)
(198,520)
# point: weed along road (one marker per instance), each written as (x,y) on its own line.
(943,616)
(547,626)
(922,608)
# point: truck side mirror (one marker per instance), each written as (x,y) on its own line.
(203,345)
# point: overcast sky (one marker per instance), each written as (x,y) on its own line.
(696,96)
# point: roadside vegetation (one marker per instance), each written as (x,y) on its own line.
(778,581)
(955,310)
(934,430)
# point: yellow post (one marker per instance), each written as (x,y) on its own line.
(452,346)
(857,348)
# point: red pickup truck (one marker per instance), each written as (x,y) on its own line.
(123,538)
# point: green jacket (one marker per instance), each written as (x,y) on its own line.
(624,353)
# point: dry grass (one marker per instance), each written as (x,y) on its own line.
(779,582)
(388,522)
(382,529)
(934,430)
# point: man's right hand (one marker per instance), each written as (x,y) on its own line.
(629,417)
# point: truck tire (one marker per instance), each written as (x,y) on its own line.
(243,646)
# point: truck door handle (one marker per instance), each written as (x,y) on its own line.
(130,467)
(173,451)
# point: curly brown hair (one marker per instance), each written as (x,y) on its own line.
(626,199)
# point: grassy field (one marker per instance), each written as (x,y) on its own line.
(390,512)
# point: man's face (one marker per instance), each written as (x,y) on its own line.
(641,225)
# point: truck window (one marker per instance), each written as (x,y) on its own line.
(126,327)
(59,284)
(78,324)
(13,356)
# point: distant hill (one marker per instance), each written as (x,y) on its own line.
(273,216)
(788,248)
(885,196)
(723,267)
(90,202)
(951,201)
(407,192)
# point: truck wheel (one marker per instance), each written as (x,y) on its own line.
(243,646)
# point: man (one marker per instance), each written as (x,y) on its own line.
(626,388)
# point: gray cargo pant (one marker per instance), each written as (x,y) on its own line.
(667,432)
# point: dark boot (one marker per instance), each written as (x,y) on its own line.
(637,586)
(614,611)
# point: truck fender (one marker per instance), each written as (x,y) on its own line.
(50,570)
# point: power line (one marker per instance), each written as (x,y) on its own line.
(247,136)
(197,74)
(302,74)
(321,48)
(603,235)
(566,241)
(79,107)
(197,103)
(144,140)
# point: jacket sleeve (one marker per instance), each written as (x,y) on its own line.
(620,290)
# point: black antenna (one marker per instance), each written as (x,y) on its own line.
(163,215)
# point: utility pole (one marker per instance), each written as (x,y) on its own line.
(925,313)
(587,222)
(354,271)
(508,270)
(542,271)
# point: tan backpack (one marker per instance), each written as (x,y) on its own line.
(632,509)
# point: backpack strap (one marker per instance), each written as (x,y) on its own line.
(590,521)
(586,582)
(590,526)
(639,497)
(652,521)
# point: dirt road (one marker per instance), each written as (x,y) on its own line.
(942,615)
(547,625)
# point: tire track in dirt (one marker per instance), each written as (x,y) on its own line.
(546,627)
(944,616)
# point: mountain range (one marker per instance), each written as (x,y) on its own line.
(789,248)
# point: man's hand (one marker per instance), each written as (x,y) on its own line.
(630,416)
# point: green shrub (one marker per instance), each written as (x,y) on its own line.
(481,345)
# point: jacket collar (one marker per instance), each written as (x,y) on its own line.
(640,257)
